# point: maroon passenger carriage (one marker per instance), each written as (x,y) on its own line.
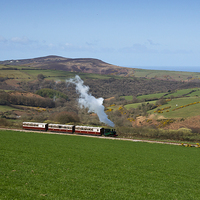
(35,126)
(89,130)
(61,128)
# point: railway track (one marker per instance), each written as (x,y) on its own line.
(102,137)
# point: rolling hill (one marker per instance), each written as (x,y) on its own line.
(96,66)
(85,65)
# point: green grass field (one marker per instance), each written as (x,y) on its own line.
(28,75)
(151,96)
(15,74)
(165,74)
(179,93)
(128,98)
(189,111)
(196,93)
(136,105)
(48,166)
(6,108)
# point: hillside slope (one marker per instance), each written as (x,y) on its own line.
(85,65)
(96,66)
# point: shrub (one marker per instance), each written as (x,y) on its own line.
(182,134)
(40,77)
(4,122)
(46,92)
(161,102)
(66,117)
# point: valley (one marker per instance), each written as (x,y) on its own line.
(36,90)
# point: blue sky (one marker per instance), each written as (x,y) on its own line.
(152,34)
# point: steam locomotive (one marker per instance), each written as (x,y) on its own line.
(86,130)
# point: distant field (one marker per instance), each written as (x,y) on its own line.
(6,90)
(178,93)
(184,112)
(151,96)
(128,98)
(196,93)
(15,74)
(184,91)
(14,67)
(135,105)
(148,96)
(6,108)
(49,74)
(43,166)
(189,111)
(165,74)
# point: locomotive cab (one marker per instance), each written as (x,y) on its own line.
(109,132)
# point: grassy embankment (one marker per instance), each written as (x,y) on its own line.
(42,166)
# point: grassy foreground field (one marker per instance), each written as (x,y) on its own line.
(47,166)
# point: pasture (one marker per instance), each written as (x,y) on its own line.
(136,105)
(128,98)
(151,96)
(193,92)
(167,75)
(50,166)
(26,74)
(179,108)
(4,108)
(178,93)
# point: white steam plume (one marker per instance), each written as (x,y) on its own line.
(88,101)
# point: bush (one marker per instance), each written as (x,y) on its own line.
(46,92)
(40,77)
(161,102)
(182,134)
(66,117)
(5,123)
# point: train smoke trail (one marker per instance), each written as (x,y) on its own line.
(88,101)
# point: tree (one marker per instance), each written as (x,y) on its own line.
(40,77)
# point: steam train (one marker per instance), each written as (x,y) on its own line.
(86,130)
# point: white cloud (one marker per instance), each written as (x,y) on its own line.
(20,40)
(151,42)
(92,43)
(137,48)
(2,39)
(152,47)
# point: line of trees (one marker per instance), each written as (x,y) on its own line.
(47,92)
(7,99)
